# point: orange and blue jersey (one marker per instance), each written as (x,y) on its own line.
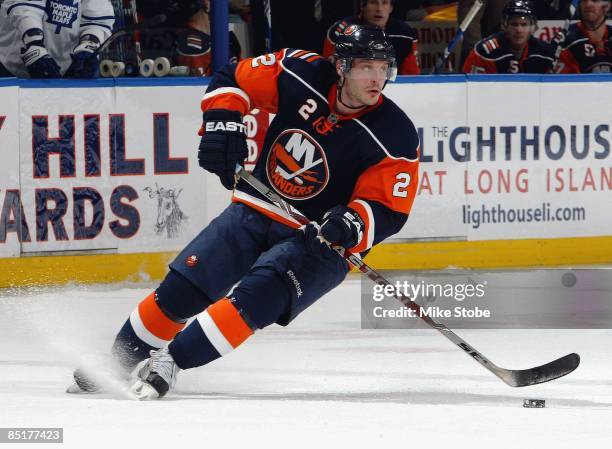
(314,157)
(581,54)
(494,55)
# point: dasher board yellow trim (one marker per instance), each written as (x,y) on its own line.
(104,268)
(492,253)
(85,269)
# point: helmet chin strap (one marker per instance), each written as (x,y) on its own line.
(340,86)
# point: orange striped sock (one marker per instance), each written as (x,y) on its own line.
(224,326)
(152,325)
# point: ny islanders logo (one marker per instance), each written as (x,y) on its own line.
(296,165)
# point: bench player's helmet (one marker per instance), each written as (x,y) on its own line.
(364,42)
(518,8)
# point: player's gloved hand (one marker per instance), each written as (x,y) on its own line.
(310,235)
(36,57)
(85,61)
(223,144)
(342,226)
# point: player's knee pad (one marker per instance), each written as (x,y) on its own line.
(263,295)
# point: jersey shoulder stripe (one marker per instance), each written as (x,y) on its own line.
(398,29)
(491,49)
(306,55)
(309,69)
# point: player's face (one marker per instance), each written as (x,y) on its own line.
(364,83)
(593,11)
(518,30)
(377,12)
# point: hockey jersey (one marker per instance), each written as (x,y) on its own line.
(493,55)
(315,158)
(580,54)
(402,37)
(62,22)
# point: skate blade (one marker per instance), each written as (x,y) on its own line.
(143,391)
(75,389)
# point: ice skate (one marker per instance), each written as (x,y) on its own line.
(82,384)
(156,376)
(101,378)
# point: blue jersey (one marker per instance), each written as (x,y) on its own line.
(314,157)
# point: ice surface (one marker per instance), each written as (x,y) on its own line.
(320,382)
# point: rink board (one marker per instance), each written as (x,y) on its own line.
(515,171)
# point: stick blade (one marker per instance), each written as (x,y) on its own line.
(543,373)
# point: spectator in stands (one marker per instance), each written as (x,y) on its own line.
(51,39)
(193,45)
(587,47)
(514,49)
(377,13)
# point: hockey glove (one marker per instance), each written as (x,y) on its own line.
(36,57)
(223,144)
(342,226)
(85,61)
(312,241)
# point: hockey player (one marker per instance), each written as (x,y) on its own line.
(377,13)
(587,46)
(338,150)
(514,49)
(51,38)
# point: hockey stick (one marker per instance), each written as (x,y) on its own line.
(155,20)
(268,25)
(136,34)
(458,35)
(514,378)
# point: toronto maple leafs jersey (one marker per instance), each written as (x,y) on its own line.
(62,22)
(312,156)
(494,55)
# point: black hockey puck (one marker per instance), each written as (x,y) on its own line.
(568,279)
(534,403)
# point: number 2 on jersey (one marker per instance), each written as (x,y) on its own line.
(308,108)
(400,188)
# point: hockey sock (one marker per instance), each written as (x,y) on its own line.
(147,328)
(215,332)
